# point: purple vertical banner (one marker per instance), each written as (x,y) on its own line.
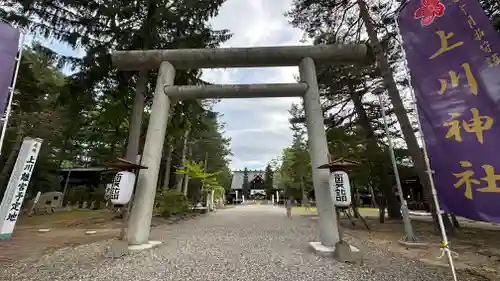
(453,56)
(9,46)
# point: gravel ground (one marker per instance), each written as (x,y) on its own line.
(248,243)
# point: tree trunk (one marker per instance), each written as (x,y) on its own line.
(61,153)
(355,201)
(304,201)
(186,176)
(183,159)
(448,225)
(381,209)
(456,224)
(148,30)
(399,110)
(168,164)
(379,166)
(185,185)
(372,193)
(135,123)
(7,167)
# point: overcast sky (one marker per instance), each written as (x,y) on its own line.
(258,128)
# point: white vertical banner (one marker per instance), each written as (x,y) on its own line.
(17,186)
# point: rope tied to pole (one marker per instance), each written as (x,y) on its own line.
(445,249)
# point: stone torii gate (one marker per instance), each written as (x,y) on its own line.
(305,57)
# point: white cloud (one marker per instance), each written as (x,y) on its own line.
(259,128)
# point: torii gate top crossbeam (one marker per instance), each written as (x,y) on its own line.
(241,57)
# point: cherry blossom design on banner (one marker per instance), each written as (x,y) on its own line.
(428,11)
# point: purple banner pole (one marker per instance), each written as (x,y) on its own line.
(453,56)
(9,46)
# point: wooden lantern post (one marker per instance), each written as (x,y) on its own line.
(343,251)
(344,165)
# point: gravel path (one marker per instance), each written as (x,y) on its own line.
(248,243)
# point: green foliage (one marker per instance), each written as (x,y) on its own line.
(295,171)
(34,114)
(172,202)
(208,181)
(211,144)
(83,117)
(268,180)
(245,184)
(353,119)
(97,88)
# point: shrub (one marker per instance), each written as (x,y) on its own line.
(173,202)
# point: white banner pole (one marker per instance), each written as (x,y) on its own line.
(445,247)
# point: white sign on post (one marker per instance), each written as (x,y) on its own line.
(123,187)
(341,189)
(17,186)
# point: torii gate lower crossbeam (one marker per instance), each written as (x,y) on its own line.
(168,60)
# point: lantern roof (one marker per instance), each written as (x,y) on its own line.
(339,162)
(123,164)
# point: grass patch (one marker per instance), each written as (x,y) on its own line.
(368,210)
(54,218)
(301,209)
